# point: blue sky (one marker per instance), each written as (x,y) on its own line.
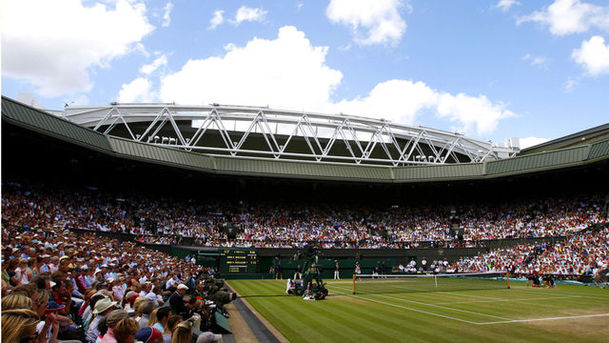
(489,69)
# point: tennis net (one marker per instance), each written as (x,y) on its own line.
(371,284)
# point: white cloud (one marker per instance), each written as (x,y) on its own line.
(593,56)
(396,100)
(289,72)
(380,19)
(401,101)
(530,141)
(245,13)
(570,16)
(156,64)
(138,90)
(167,15)
(536,61)
(54,44)
(505,5)
(474,114)
(216,20)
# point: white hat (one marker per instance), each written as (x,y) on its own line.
(182,286)
(103,305)
(208,337)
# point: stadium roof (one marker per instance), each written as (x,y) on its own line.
(258,132)
(589,136)
(53,126)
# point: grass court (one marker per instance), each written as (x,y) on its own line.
(422,314)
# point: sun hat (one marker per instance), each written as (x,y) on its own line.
(182,286)
(103,305)
(116,316)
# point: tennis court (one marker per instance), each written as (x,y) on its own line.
(417,311)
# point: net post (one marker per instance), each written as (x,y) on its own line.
(354,276)
(507,277)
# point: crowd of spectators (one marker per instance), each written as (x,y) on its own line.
(61,286)
(283,225)
(583,254)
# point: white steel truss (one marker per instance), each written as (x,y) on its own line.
(365,141)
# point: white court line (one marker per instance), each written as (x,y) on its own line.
(439,306)
(443,307)
(506,321)
(450,293)
(412,309)
(563,292)
(498,299)
(540,319)
(426,290)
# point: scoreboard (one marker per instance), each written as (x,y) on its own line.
(235,261)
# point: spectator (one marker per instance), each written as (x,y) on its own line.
(146,308)
(125,330)
(111,321)
(173,321)
(176,301)
(103,307)
(183,332)
(159,320)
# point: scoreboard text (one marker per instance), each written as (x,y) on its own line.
(240,260)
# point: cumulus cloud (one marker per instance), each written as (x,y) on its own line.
(55,46)
(138,90)
(372,21)
(216,20)
(156,64)
(505,5)
(167,15)
(593,55)
(245,13)
(289,72)
(565,17)
(396,100)
(401,101)
(531,141)
(474,114)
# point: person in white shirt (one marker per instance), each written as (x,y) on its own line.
(172,282)
(119,288)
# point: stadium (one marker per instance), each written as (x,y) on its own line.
(229,218)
